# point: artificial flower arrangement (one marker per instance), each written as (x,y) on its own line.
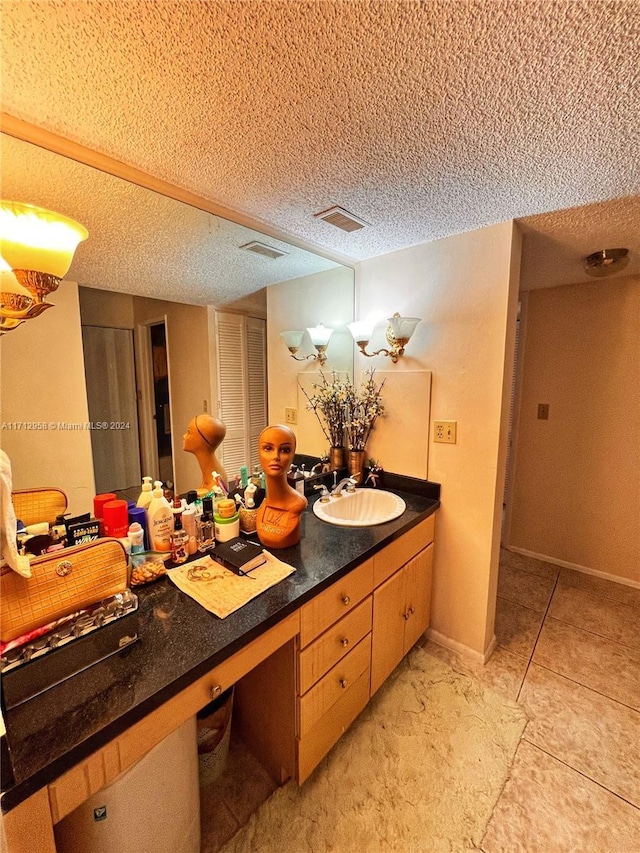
(328,405)
(364,406)
(344,412)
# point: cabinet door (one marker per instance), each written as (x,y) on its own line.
(418,596)
(388,628)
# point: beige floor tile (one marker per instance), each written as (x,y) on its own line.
(589,732)
(546,807)
(228,803)
(594,612)
(600,586)
(526,588)
(516,627)
(590,660)
(217,824)
(503,673)
(528,564)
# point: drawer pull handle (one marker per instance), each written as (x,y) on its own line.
(406,615)
(216,690)
(346,600)
(411,610)
(344,642)
(343,683)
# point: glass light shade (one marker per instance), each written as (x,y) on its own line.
(292,339)
(403,327)
(319,335)
(10,284)
(32,238)
(361,330)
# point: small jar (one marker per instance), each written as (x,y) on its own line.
(227,528)
(248,519)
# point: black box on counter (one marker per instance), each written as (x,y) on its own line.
(81,530)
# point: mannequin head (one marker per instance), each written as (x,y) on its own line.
(204,432)
(276,448)
(203,436)
(278,517)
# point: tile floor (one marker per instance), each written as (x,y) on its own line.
(569,652)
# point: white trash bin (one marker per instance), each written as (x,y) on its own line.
(152,806)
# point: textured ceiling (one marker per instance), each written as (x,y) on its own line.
(424,119)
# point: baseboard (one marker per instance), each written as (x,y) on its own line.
(575,566)
(460,648)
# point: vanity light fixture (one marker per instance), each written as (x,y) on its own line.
(399,333)
(319,338)
(36,248)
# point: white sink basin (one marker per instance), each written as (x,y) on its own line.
(362,508)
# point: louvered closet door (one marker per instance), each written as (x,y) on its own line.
(242,387)
(257,383)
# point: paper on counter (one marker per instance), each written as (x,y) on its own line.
(221,591)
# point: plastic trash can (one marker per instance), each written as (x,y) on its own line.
(152,806)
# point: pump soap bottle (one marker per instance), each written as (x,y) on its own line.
(159,521)
(145,496)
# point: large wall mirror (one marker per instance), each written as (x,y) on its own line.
(150,263)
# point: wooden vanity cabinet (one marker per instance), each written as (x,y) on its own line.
(299,685)
(334,662)
(402,598)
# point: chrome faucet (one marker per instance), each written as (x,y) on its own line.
(349,482)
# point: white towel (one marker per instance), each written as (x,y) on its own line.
(8,527)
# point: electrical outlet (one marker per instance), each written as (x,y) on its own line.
(543,411)
(445,432)
(291,416)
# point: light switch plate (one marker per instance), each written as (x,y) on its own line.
(291,416)
(445,432)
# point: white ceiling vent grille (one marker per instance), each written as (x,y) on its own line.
(341,219)
(263,249)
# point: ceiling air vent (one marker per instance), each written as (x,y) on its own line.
(263,249)
(341,219)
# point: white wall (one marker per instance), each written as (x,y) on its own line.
(465,290)
(43,384)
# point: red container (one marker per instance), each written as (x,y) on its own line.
(99,501)
(115,520)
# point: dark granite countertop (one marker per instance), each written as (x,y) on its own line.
(179,641)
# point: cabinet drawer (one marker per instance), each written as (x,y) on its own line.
(317,701)
(333,645)
(335,602)
(316,743)
(389,560)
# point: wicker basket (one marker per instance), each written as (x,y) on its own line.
(61,583)
(34,505)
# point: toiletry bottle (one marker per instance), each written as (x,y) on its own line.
(179,537)
(295,478)
(206,527)
(135,534)
(59,530)
(191,528)
(159,521)
(144,498)
(244,476)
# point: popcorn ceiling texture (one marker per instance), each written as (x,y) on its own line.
(423,118)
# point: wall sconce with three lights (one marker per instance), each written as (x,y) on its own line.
(399,332)
(36,248)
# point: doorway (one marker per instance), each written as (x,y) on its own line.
(154,400)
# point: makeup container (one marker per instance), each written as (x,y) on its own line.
(227,528)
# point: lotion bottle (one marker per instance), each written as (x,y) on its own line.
(159,521)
